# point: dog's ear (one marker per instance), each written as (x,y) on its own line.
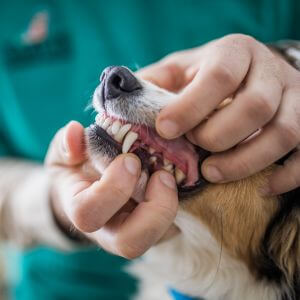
(281,246)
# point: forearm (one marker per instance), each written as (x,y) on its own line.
(25,214)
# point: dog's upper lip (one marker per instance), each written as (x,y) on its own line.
(190,186)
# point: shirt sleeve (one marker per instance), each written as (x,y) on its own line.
(26,217)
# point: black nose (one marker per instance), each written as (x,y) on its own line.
(117,81)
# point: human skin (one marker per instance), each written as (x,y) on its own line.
(266,95)
(99,207)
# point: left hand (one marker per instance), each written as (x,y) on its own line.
(266,95)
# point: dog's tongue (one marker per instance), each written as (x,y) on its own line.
(179,151)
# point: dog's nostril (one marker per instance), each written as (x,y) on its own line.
(116,82)
(119,81)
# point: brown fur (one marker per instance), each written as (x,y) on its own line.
(285,244)
(236,214)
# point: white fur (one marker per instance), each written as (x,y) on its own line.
(141,109)
(194,264)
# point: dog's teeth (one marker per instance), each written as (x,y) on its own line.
(151,150)
(129,140)
(166,162)
(99,119)
(179,175)
(152,159)
(106,123)
(109,130)
(169,168)
(122,132)
(116,127)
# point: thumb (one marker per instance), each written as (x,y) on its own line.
(67,147)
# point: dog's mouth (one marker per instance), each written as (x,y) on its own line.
(178,156)
(127,108)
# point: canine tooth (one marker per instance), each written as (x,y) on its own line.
(152,159)
(99,119)
(151,150)
(115,127)
(179,175)
(109,130)
(122,132)
(106,123)
(129,140)
(169,168)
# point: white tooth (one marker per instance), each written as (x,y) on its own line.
(179,175)
(116,127)
(169,168)
(152,159)
(151,150)
(129,140)
(166,162)
(99,119)
(120,135)
(106,123)
(109,130)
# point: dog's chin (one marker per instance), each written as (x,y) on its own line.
(103,148)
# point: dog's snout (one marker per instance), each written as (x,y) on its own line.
(118,81)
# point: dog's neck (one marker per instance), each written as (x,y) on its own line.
(195,264)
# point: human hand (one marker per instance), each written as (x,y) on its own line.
(100,206)
(266,95)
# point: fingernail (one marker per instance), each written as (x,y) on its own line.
(132,165)
(168,180)
(211,173)
(168,128)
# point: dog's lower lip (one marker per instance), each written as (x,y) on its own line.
(104,135)
(183,191)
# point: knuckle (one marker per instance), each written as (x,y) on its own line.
(221,73)
(81,216)
(211,142)
(260,106)
(238,37)
(118,192)
(78,217)
(289,133)
(166,212)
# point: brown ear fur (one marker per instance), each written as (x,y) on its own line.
(236,214)
(282,244)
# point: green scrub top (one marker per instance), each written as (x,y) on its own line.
(51,55)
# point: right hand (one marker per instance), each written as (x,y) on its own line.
(101,209)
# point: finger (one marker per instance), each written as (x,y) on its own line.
(167,76)
(94,206)
(278,138)
(286,177)
(221,72)
(148,222)
(67,148)
(251,109)
(174,71)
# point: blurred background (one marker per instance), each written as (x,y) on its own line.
(51,55)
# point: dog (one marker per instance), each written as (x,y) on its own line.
(234,244)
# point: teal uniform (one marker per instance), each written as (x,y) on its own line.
(47,80)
